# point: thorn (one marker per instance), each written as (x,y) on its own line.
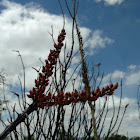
(35,69)
(126,105)
(15,93)
(14,107)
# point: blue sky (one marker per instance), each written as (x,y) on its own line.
(110,30)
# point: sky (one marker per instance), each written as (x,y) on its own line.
(110,31)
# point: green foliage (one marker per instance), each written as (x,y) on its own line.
(26,138)
(135,138)
(117,137)
(64,136)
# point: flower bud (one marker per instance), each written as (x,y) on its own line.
(126,106)
(116,86)
(106,88)
(111,85)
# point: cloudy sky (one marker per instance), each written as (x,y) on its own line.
(110,30)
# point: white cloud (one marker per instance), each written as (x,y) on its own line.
(133,78)
(26,29)
(129,77)
(131,67)
(111,2)
(97,40)
(114,77)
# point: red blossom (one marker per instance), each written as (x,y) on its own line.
(37,93)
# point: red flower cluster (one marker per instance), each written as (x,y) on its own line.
(74,97)
(37,93)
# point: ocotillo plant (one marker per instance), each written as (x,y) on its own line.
(43,99)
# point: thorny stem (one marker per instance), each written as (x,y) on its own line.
(110,129)
(19,119)
(23,92)
(121,119)
(86,81)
